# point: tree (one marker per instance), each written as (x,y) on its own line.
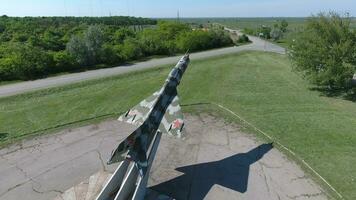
(265,32)
(2,27)
(78,49)
(276,34)
(57,44)
(94,40)
(87,50)
(325,51)
(283,26)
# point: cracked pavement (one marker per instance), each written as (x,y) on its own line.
(227,164)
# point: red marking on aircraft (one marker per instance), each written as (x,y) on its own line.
(177,123)
(132,112)
(130,141)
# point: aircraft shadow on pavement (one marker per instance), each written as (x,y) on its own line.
(231,172)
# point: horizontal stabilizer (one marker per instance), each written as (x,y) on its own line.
(172,122)
(138,114)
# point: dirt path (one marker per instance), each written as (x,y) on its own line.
(214,161)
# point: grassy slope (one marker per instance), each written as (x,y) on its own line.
(258,86)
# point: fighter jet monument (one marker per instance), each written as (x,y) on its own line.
(157,114)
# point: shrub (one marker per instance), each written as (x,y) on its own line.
(63,61)
(325,51)
(152,43)
(220,38)
(112,54)
(24,62)
(243,39)
(194,41)
(249,31)
(169,30)
(200,40)
(265,32)
(51,40)
(131,49)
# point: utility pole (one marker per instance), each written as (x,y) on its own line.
(178,16)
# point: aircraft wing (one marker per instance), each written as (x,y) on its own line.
(172,122)
(138,114)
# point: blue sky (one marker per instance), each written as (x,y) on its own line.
(168,8)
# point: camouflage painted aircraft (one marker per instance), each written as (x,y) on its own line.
(159,112)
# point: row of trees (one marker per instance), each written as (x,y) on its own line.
(167,38)
(35,47)
(325,51)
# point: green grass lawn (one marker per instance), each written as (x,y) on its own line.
(259,86)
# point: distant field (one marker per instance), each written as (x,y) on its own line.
(252,23)
(353,23)
(295,23)
(259,86)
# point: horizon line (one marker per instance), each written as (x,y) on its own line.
(203,17)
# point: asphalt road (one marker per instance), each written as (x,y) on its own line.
(28,86)
(215,160)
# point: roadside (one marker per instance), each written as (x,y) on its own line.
(217,159)
(28,86)
(260,43)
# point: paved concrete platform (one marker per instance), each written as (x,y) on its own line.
(215,160)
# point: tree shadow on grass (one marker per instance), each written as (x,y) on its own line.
(336,93)
(3,136)
(231,172)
